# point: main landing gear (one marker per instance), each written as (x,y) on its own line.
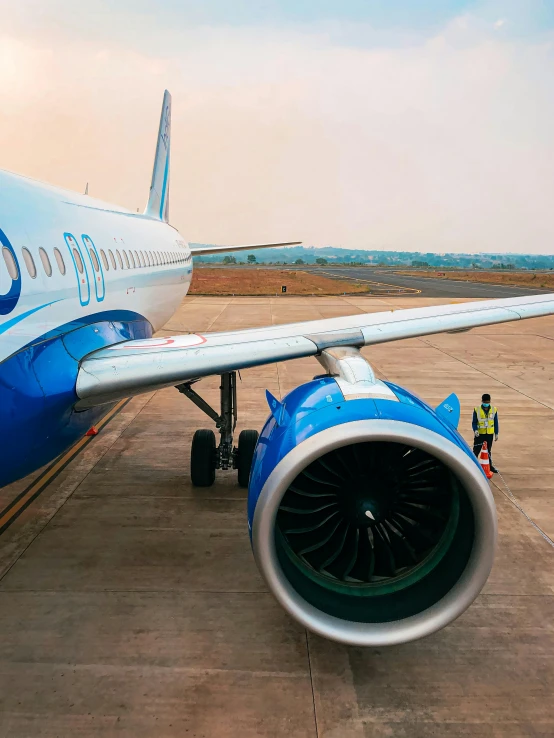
(205,455)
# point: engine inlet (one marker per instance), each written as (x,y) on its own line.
(375,532)
(369,515)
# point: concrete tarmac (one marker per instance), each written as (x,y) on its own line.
(130,604)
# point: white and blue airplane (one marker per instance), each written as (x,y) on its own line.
(370,518)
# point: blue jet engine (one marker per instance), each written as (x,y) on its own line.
(371,520)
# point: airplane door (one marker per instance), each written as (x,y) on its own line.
(97,269)
(81,270)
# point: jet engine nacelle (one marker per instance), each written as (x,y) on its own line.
(371,520)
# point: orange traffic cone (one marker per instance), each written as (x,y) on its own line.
(484,461)
(92,432)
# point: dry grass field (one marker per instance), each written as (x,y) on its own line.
(259,281)
(519,279)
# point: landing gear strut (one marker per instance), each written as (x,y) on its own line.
(205,456)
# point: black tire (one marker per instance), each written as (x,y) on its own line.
(202,458)
(245,452)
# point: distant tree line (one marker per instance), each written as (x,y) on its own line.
(331,255)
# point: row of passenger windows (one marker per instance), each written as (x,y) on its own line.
(123,259)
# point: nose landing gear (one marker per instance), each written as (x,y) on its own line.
(205,456)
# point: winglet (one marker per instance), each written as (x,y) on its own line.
(449,410)
(277,408)
(158,201)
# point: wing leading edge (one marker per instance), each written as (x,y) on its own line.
(133,367)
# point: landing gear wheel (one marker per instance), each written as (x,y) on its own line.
(202,458)
(245,452)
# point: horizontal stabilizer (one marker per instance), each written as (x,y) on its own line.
(198,249)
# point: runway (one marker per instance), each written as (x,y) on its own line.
(387,282)
(130,604)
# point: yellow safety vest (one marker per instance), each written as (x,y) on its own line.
(486,424)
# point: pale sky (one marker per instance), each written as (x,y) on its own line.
(363,123)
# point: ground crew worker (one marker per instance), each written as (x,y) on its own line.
(485,427)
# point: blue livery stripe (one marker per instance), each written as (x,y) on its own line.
(164,186)
(18,318)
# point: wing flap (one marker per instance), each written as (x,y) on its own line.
(106,378)
(133,367)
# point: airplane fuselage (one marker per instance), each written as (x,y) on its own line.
(76,274)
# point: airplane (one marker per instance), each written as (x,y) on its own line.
(370,518)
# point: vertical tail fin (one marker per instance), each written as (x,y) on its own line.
(158,201)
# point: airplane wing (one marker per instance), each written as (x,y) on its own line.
(198,250)
(132,367)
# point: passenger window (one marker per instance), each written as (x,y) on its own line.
(132,258)
(78,260)
(112,258)
(142,263)
(11,266)
(29,263)
(120,260)
(45,262)
(104,260)
(94,260)
(127,264)
(59,261)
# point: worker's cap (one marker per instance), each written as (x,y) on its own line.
(486,398)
